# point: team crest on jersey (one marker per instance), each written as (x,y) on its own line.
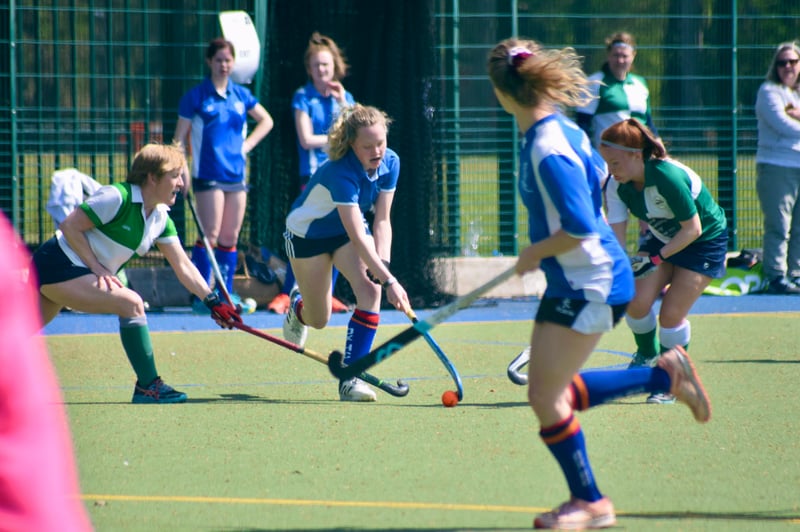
(239,106)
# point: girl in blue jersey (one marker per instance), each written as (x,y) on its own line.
(326,227)
(684,245)
(589,279)
(316,104)
(78,267)
(215,113)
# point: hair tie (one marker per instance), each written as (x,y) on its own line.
(517,55)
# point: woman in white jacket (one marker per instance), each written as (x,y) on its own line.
(778,169)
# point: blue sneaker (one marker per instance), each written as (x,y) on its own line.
(157,393)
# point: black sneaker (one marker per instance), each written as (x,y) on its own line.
(157,392)
(782,286)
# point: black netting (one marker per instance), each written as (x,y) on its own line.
(391,51)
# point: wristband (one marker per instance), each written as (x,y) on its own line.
(374,278)
(389,282)
(211,300)
(657,259)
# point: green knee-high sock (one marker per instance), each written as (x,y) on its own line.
(644,333)
(646,344)
(136,341)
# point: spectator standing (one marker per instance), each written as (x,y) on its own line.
(316,105)
(778,169)
(215,113)
(617,93)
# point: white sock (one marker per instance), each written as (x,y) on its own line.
(680,335)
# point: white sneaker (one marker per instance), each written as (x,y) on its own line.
(293,330)
(355,390)
(660,399)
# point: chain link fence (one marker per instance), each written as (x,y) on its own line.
(86,82)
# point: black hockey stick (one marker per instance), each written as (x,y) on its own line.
(398,390)
(395,344)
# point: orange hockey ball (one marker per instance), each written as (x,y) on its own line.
(449,398)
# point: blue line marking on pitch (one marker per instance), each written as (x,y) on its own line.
(488,310)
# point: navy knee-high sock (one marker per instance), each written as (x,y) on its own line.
(592,388)
(565,441)
(226,258)
(201,261)
(360,334)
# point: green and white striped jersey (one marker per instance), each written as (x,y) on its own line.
(122,230)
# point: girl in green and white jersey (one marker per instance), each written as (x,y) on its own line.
(78,267)
(685,243)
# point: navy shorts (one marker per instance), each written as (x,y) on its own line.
(202,185)
(53,266)
(706,257)
(585,317)
(303,248)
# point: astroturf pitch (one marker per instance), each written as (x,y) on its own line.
(264,443)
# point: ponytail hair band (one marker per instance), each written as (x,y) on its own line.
(517,55)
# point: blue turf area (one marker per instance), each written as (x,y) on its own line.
(182,319)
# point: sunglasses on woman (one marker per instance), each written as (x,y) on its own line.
(785,62)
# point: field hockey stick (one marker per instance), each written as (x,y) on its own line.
(391,346)
(514,373)
(451,369)
(210,252)
(398,390)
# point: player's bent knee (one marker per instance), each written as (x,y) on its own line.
(130,303)
(368,294)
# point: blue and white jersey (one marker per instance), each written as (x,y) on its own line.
(219,127)
(560,184)
(342,182)
(323,111)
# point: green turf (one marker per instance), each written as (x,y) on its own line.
(264,444)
